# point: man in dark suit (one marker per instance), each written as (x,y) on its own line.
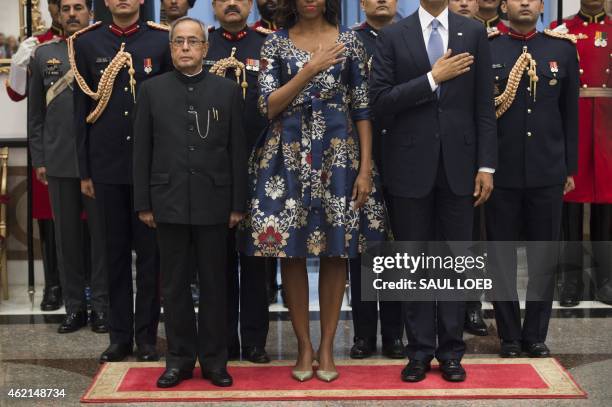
(432,70)
(189,183)
(538,153)
(104,144)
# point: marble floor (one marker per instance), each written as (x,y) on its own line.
(33,355)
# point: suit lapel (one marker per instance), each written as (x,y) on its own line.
(455,41)
(413,37)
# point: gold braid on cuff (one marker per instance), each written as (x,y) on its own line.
(524,63)
(107,81)
(222,65)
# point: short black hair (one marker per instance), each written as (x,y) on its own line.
(191,2)
(286,13)
(88,3)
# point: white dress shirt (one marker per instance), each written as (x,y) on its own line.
(425,18)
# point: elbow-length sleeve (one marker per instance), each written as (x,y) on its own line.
(269,72)
(357,60)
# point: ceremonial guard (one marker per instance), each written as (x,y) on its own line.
(41,207)
(379,13)
(474,321)
(536,88)
(109,63)
(267,9)
(234,53)
(54,157)
(172,10)
(488,14)
(593,29)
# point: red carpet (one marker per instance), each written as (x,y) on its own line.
(359,380)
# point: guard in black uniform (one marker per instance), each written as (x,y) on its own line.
(537,110)
(128,51)
(379,13)
(235,44)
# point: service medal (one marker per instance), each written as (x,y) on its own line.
(148,65)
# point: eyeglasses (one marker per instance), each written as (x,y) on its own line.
(191,42)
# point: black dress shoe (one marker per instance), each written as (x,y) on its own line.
(73,322)
(363,348)
(452,371)
(536,350)
(393,349)
(52,298)
(256,355)
(172,377)
(116,352)
(99,323)
(147,353)
(604,294)
(218,377)
(569,296)
(510,349)
(415,371)
(474,323)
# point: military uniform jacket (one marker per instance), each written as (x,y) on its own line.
(50,125)
(190,162)
(537,139)
(105,147)
(248,44)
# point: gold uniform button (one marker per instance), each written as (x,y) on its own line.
(101,70)
(581,71)
(607,70)
(128,138)
(528,134)
(125,113)
(497,78)
(529,111)
(585,85)
(584,23)
(125,89)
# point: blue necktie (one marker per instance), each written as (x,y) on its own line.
(435,47)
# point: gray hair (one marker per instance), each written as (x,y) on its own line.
(187,18)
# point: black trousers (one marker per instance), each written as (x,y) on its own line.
(70,237)
(247,298)
(478,234)
(365,313)
(439,215)
(125,231)
(49,252)
(206,340)
(536,213)
(600,233)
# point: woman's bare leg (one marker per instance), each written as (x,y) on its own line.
(332,282)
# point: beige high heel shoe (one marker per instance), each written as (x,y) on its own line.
(327,375)
(302,375)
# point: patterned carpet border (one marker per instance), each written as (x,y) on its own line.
(554,382)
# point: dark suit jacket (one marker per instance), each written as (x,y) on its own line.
(460,125)
(188,171)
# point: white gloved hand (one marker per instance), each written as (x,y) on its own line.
(24,52)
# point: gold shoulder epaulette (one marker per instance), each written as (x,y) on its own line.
(84,30)
(573,38)
(493,34)
(264,31)
(157,26)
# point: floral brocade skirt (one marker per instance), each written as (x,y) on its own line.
(301,176)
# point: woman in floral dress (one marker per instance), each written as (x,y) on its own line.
(314,191)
